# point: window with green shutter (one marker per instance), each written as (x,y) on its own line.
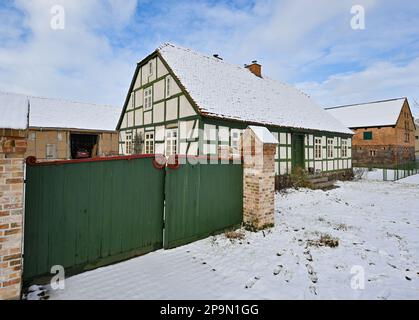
(368,135)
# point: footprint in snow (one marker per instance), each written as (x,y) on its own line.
(311,274)
(278,270)
(287,276)
(252,282)
(384,295)
(313,290)
(281,252)
(308,255)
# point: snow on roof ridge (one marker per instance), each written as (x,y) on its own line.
(56,99)
(365,103)
(212,58)
(60,113)
(197,53)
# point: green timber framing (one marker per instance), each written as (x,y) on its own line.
(197,139)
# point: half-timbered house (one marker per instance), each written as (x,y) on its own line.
(184,102)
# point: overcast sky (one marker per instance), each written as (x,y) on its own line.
(306,43)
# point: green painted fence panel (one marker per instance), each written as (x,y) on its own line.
(87,214)
(201,200)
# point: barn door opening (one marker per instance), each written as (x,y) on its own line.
(83,145)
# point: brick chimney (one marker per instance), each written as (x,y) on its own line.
(255,68)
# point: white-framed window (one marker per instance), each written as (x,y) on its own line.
(235,141)
(373,153)
(171,142)
(168,86)
(330,149)
(344,148)
(128,143)
(317,148)
(148,98)
(51,151)
(149,143)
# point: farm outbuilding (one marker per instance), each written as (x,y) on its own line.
(384,132)
(58,129)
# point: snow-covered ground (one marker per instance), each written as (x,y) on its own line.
(412,179)
(376,223)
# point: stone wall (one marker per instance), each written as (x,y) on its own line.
(12,149)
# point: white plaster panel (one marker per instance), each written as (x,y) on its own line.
(147,117)
(161,69)
(159,135)
(139,117)
(186,109)
(158,88)
(210,132)
(193,149)
(171,109)
(158,115)
(223,134)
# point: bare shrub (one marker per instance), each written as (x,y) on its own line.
(299,179)
(359,173)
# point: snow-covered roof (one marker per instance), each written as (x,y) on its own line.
(13,111)
(372,114)
(228,91)
(55,113)
(264,135)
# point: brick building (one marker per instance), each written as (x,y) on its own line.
(384,132)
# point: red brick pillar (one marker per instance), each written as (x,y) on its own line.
(12,149)
(259,148)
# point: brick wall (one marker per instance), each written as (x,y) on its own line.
(383,155)
(12,148)
(259,181)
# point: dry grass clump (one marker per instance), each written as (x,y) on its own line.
(235,235)
(325,240)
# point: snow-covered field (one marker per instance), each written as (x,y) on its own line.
(376,224)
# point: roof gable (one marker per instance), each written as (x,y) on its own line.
(227,91)
(372,114)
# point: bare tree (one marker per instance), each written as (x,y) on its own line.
(138,143)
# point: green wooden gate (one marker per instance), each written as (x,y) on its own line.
(83,215)
(202,199)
